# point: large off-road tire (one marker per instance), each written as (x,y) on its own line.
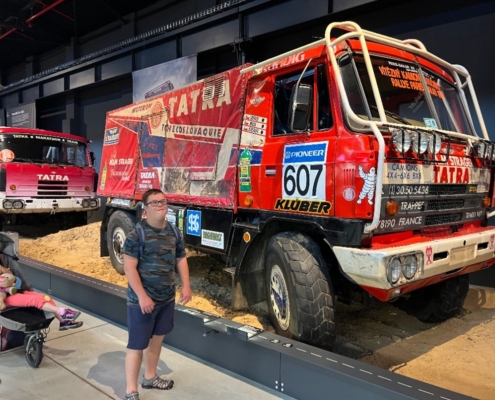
(300,294)
(439,302)
(119,226)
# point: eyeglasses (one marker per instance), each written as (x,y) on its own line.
(155,203)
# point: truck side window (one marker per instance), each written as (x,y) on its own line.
(325,120)
(283,88)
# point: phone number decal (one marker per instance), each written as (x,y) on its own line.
(398,190)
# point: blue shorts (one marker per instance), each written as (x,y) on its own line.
(142,327)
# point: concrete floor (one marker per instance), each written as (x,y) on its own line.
(88,363)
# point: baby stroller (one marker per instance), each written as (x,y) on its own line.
(33,322)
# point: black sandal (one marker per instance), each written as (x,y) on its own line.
(157,383)
(132,396)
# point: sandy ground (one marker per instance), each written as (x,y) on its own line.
(458,354)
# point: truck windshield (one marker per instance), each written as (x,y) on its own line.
(44,149)
(403,95)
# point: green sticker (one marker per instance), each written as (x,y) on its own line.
(245,176)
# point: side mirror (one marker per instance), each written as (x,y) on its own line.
(92,158)
(301,101)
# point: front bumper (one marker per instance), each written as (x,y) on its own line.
(52,206)
(368,267)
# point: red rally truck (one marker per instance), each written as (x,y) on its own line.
(44,172)
(349,167)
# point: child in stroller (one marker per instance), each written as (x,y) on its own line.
(26,297)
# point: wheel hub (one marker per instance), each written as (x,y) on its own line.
(118,244)
(279,297)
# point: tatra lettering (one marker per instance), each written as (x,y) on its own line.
(46,177)
(450,174)
(147,175)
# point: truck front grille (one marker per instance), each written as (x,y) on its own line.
(442,190)
(47,189)
(443,219)
(438,205)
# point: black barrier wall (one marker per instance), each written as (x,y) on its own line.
(292,368)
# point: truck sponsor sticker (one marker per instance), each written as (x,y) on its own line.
(147,179)
(245,171)
(429,255)
(212,239)
(256,101)
(112,136)
(304,171)
(413,221)
(306,206)
(405,76)
(430,123)
(457,170)
(412,206)
(254,124)
(213,134)
(193,223)
(369,184)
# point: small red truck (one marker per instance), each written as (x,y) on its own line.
(353,167)
(44,172)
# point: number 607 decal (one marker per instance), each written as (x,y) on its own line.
(304,171)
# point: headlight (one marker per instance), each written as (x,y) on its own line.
(479,149)
(401,140)
(85,203)
(17,204)
(410,266)
(489,150)
(93,203)
(419,142)
(434,144)
(394,270)
(7,204)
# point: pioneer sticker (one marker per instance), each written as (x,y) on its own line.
(304,171)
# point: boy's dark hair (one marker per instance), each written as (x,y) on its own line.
(149,193)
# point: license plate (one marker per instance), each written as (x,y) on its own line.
(460,254)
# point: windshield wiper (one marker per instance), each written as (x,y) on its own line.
(393,115)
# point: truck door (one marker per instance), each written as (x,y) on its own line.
(297,163)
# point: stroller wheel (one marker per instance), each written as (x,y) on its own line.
(33,351)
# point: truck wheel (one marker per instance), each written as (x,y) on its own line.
(438,302)
(119,226)
(299,291)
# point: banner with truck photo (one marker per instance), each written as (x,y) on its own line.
(184,141)
(162,78)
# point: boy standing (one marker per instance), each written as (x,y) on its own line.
(151,293)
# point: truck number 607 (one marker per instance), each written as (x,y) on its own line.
(300,179)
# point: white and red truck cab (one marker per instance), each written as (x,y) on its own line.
(45,172)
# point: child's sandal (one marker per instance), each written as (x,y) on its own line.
(157,383)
